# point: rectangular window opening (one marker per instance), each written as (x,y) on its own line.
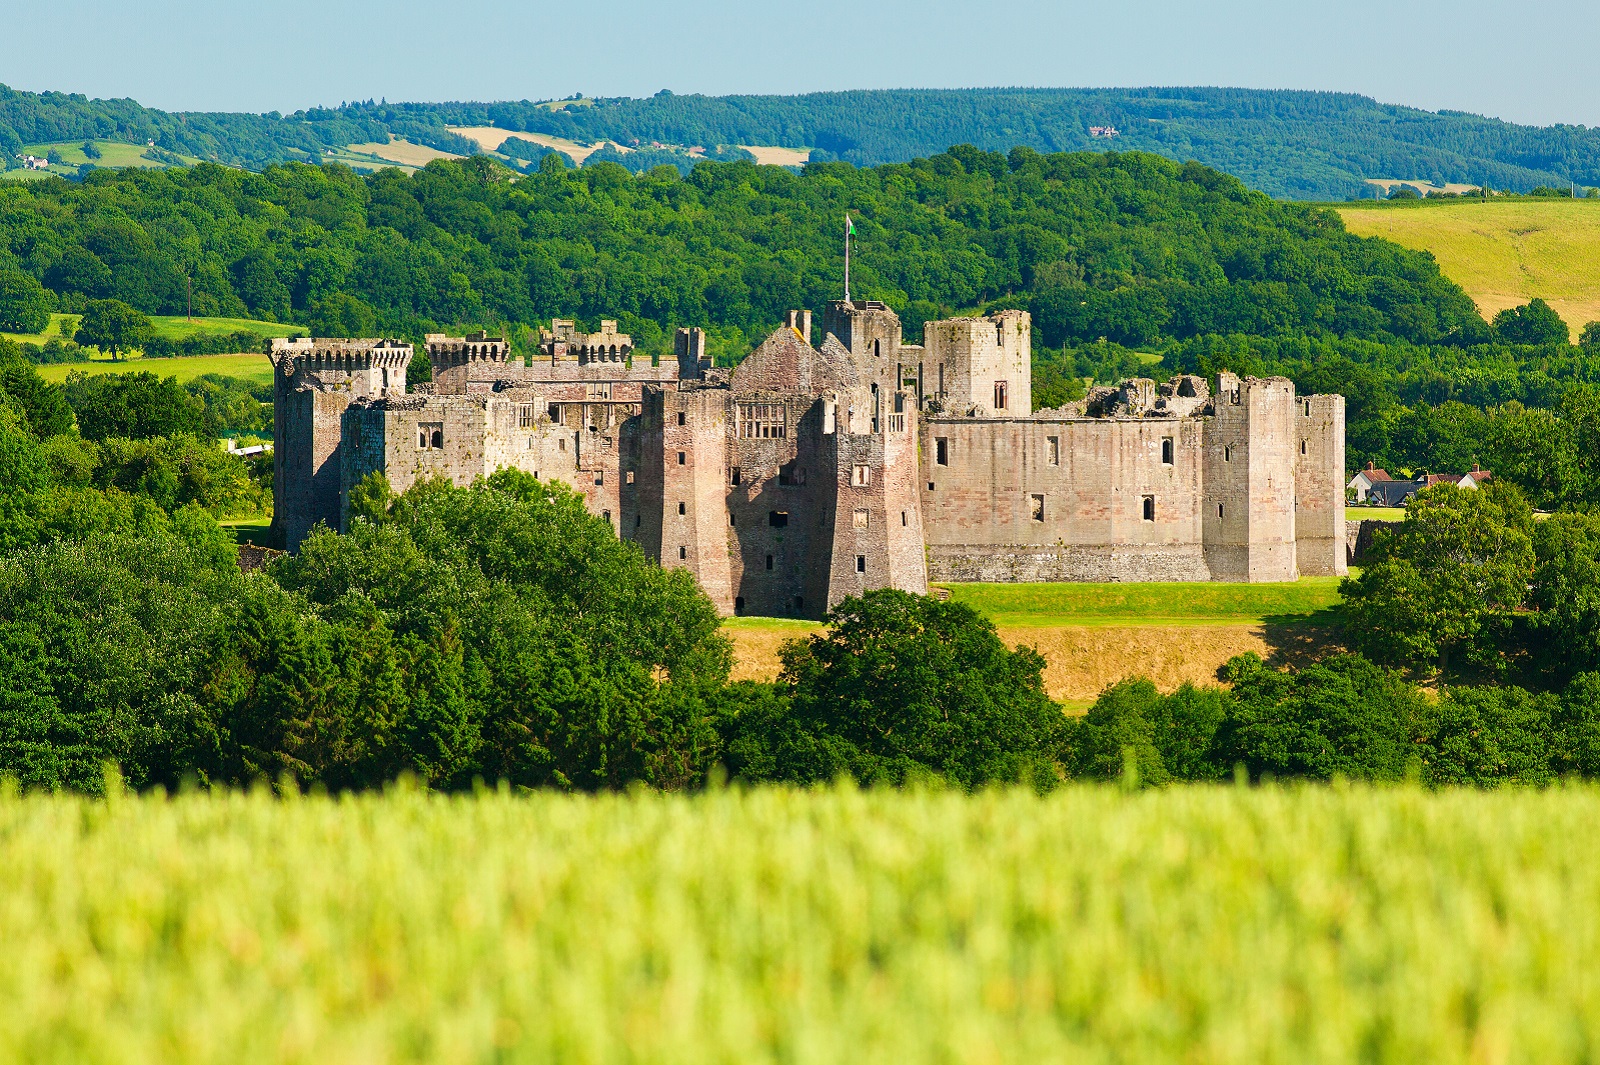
(941,451)
(629,477)
(861,563)
(682,418)
(683,552)
(1053,450)
(778,519)
(1036,507)
(999,395)
(1166,451)
(861,517)
(1149,508)
(683,508)
(681,457)
(733,475)
(769,561)
(860,476)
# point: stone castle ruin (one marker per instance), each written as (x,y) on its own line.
(814,471)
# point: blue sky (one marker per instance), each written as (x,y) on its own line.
(1485,56)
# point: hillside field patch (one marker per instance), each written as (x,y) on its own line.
(1502,252)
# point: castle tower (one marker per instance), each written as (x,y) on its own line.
(689,345)
(1319,532)
(982,363)
(314,380)
(1250,462)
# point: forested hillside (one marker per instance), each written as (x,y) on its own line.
(1130,246)
(1297,145)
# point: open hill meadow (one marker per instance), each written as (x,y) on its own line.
(1503,252)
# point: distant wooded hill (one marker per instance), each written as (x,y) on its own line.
(1298,145)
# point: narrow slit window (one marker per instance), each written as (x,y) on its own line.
(733,476)
(1149,508)
(683,508)
(680,458)
(861,563)
(681,417)
(1053,450)
(1219,510)
(683,552)
(1302,447)
(941,451)
(999,395)
(1227,454)
(769,562)
(903,521)
(1166,451)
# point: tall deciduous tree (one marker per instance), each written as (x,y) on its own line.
(1461,559)
(113,326)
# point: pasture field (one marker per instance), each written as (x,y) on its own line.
(1192,924)
(249,366)
(1093,635)
(1503,252)
(173,327)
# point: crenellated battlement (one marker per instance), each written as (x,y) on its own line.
(319,354)
(448,352)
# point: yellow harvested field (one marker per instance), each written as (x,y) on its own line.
(490,138)
(768,156)
(1081,660)
(1424,187)
(404,152)
(1503,252)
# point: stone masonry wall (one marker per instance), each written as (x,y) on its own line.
(1062,499)
(1319,526)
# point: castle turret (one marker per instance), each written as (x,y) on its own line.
(314,380)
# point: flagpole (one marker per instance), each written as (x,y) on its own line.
(847,258)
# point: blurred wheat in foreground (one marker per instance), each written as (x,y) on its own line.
(1188,924)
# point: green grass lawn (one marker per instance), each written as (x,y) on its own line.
(1191,924)
(250,529)
(176,326)
(251,367)
(1149,604)
(1375,513)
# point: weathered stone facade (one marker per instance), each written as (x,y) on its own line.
(813,472)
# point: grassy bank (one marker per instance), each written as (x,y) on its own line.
(1195,925)
(1150,604)
(250,366)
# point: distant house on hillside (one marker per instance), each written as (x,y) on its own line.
(1391,493)
(1103,131)
(33,162)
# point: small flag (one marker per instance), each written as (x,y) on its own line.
(849,227)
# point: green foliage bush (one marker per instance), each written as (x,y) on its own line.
(137,405)
(24,304)
(901,687)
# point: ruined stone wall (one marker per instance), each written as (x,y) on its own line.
(1062,499)
(690,528)
(1319,524)
(776,517)
(306,460)
(876,530)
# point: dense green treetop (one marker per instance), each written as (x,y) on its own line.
(1122,244)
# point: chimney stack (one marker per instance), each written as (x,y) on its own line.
(800,322)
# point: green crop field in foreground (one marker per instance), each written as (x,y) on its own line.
(1190,925)
(1156,603)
